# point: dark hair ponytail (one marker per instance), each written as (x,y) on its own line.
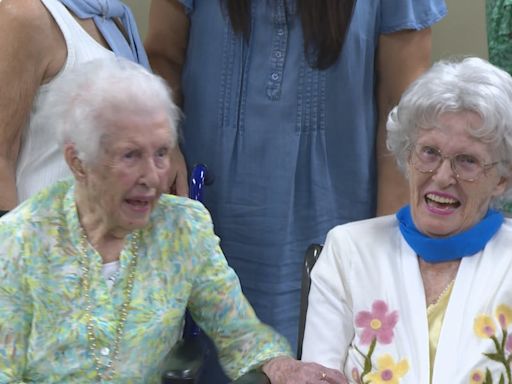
(324,23)
(239,12)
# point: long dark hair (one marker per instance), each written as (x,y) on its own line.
(324,24)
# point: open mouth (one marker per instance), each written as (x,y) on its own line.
(138,204)
(441,202)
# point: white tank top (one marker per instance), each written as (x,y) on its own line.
(41,162)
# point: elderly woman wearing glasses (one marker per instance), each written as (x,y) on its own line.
(96,272)
(426,296)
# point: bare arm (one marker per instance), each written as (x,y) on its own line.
(28,45)
(166,46)
(401,58)
(167,40)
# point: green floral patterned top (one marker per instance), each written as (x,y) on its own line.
(499,33)
(42,313)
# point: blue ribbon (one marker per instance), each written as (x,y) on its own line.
(103,13)
(455,247)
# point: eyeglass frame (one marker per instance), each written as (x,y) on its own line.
(484,166)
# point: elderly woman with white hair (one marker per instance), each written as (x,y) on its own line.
(426,296)
(96,272)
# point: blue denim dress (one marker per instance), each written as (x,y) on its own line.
(292,149)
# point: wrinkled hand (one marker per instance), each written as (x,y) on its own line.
(178,173)
(286,370)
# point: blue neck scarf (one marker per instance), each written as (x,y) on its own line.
(439,249)
(103,13)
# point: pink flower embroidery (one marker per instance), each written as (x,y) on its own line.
(508,344)
(355,375)
(377,324)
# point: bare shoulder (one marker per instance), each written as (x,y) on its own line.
(24,13)
(38,39)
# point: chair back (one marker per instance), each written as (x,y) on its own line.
(310,258)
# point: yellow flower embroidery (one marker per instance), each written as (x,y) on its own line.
(504,315)
(484,326)
(477,377)
(388,372)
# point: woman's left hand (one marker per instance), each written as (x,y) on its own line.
(286,370)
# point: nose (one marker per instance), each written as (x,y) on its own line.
(149,173)
(445,175)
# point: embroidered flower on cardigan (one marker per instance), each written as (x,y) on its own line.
(477,377)
(508,344)
(504,315)
(377,323)
(487,327)
(484,326)
(355,375)
(388,372)
(378,327)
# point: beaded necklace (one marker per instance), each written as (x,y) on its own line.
(107,371)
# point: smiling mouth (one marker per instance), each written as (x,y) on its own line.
(441,202)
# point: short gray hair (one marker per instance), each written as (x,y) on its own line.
(84,100)
(470,84)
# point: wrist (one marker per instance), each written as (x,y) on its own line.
(277,367)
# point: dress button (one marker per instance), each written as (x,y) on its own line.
(104,351)
(278,54)
(280,31)
(275,76)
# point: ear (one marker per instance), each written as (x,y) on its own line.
(502,186)
(75,164)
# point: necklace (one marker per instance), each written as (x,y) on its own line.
(106,371)
(441,295)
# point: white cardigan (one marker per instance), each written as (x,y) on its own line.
(366,261)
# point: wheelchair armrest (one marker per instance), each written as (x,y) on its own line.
(184,362)
(310,258)
(252,377)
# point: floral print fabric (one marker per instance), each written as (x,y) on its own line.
(43,324)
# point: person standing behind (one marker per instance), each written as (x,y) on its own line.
(41,40)
(499,40)
(280,100)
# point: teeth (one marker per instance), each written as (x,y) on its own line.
(441,199)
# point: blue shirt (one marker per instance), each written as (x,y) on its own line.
(291,147)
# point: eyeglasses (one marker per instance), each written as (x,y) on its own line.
(428,159)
